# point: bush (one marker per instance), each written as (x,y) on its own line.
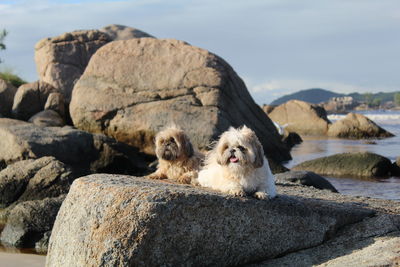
(12,78)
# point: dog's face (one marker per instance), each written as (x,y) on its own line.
(239,148)
(173,144)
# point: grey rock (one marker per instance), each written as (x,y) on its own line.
(361,164)
(56,102)
(128,221)
(47,118)
(42,245)
(79,149)
(29,221)
(154,83)
(31,99)
(61,60)
(305,178)
(121,32)
(34,179)
(372,242)
(7,92)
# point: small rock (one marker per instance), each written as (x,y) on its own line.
(7,92)
(30,99)
(29,221)
(55,101)
(47,118)
(305,178)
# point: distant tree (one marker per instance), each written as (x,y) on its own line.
(368,98)
(397,99)
(376,102)
(3,34)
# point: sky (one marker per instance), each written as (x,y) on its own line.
(276,46)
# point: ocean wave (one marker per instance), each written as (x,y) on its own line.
(388,118)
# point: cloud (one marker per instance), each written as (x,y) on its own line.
(279,45)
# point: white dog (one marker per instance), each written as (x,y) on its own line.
(236,165)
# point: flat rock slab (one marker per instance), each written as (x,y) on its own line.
(114,220)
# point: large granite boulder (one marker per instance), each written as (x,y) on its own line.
(7,92)
(109,220)
(34,179)
(301,117)
(361,164)
(29,221)
(77,148)
(132,89)
(357,126)
(61,60)
(31,99)
(121,32)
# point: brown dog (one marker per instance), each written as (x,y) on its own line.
(177,159)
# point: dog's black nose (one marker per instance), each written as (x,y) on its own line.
(232,150)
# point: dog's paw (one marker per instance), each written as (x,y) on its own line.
(260,195)
(155,176)
(237,192)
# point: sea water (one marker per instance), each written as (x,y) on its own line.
(316,147)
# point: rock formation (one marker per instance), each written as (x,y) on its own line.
(301,117)
(362,164)
(132,89)
(357,126)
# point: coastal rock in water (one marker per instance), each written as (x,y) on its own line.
(155,83)
(47,118)
(305,178)
(31,99)
(301,117)
(79,149)
(357,126)
(291,139)
(61,60)
(34,179)
(7,92)
(362,164)
(121,32)
(130,221)
(29,221)
(55,101)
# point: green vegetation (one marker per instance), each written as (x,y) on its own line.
(12,78)
(396,99)
(3,34)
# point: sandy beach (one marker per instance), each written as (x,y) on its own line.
(21,260)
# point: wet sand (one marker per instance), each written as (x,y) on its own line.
(21,260)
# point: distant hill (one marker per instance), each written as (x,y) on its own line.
(314,95)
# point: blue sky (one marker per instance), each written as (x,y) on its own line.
(276,46)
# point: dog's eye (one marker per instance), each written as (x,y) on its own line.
(172,140)
(242,148)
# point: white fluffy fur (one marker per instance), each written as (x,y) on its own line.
(250,175)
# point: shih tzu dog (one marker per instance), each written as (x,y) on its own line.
(177,159)
(237,166)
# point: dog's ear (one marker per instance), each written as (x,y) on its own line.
(219,150)
(188,147)
(259,155)
(255,143)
